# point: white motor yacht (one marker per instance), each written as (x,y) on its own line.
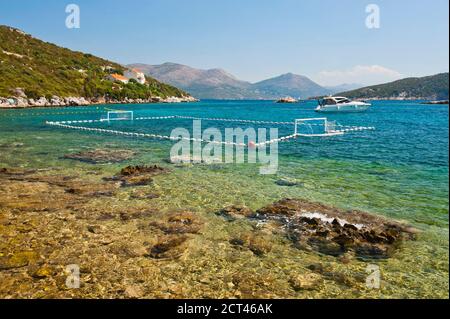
(341,104)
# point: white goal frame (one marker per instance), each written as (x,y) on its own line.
(109,118)
(329,127)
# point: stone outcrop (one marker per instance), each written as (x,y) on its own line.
(139,175)
(328,230)
(20,100)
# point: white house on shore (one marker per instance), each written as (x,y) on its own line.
(135,74)
(117,77)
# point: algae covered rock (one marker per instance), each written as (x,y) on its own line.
(283,207)
(169,247)
(100,156)
(235,212)
(288,182)
(335,232)
(342,278)
(257,243)
(139,175)
(143,194)
(179,223)
(307,281)
(42,272)
(18,260)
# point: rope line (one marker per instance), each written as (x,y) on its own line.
(135,134)
(233,120)
(50,114)
(328,132)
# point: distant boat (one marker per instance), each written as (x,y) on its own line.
(435,102)
(341,104)
(287,99)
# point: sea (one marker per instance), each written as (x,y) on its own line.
(398,170)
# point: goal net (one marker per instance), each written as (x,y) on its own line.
(120,116)
(315,127)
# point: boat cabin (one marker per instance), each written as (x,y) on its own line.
(333,100)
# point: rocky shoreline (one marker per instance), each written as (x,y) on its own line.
(56,101)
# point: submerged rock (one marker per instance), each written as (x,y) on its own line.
(100,156)
(259,244)
(288,182)
(136,214)
(43,272)
(236,212)
(179,223)
(325,246)
(18,260)
(257,283)
(327,272)
(142,169)
(139,175)
(331,231)
(129,250)
(170,247)
(11,171)
(11,145)
(142,194)
(308,281)
(282,208)
(133,292)
(373,250)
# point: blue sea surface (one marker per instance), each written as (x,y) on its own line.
(399,169)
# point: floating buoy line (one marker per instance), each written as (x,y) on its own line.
(336,129)
(16,113)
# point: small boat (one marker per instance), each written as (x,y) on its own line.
(341,104)
(287,99)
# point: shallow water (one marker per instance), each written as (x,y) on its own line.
(400,170)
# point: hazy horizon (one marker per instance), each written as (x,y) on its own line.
(277,75)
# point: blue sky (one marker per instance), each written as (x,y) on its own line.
(326,40)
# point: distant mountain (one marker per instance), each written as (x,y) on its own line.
(433,87)
(33,69)
(289,84)
(344,87)
(204,84)
(218,84)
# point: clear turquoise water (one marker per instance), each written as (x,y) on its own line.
(400,170)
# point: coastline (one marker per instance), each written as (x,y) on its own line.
(427,100)
(55,101)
